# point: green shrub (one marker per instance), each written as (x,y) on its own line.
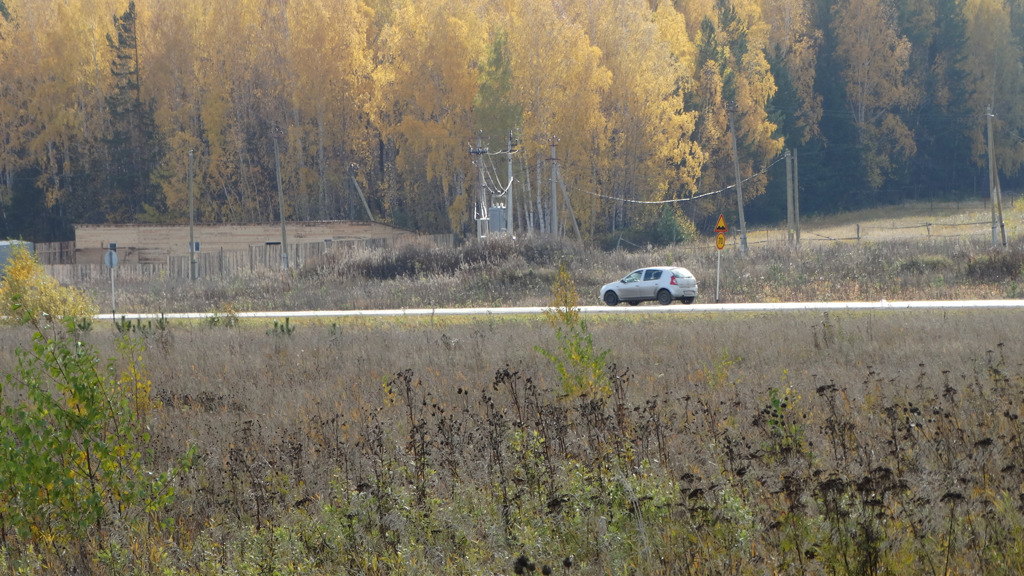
(72,460)
(581,368)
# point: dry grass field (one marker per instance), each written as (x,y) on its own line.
(883,442)
(912,252)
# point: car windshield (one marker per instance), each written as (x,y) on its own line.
(632,277)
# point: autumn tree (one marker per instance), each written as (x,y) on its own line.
(331,66)
(242,109)
(56,75)
(560,80)
(649,153)
(994,57)
(426,85)
(875,60)
(794,42)
(732,85)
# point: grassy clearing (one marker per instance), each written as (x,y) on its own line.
(896,260)
(860,442)
(840,443)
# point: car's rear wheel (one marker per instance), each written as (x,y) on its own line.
(688,300)
(611,298)
(664,297)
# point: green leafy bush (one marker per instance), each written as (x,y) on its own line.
(581,368)
(72,460)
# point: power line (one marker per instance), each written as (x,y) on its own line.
(495,187)
(697,197)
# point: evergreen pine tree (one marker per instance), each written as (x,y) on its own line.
(843,185)
(133,142)
(942,164)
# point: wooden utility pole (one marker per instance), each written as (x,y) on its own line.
(991,179)
(568,204)
(191,222)
(508,193)
(739,188)
(796,194)
(999,199)
(280,202)
(480,214)
(790,223)
(995,193)
(352,169)
(553,219)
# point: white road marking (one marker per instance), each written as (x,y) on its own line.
(621,309)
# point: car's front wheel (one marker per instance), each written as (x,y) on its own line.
(664,297)
(611,298)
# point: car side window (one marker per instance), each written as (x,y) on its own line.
(632,277)
(652,275)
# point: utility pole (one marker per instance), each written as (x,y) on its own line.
(553,219)
(991,167)
(796,194)
(191,222)
(739,188)
(568,204)
(480,215)
(999,199)
(352,170)
(995,193)
(280,202)
(508,200)
(790,222)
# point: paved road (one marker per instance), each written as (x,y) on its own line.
(620,309)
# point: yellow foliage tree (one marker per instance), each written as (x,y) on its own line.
(426,87)
(331,67)
(876,60)
(560,80)
(56,71)
(649,153)
(993,63)
(732,84)
(27,292)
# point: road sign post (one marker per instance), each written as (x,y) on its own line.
(110,259)
(721,229)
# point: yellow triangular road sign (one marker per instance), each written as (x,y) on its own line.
(720,227)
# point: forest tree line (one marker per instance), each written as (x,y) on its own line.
(113,111)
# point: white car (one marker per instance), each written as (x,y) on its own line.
(661,283)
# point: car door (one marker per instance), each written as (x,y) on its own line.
(629,287)
(648,287)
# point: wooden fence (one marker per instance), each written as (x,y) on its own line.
(260,259)
(55,252)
